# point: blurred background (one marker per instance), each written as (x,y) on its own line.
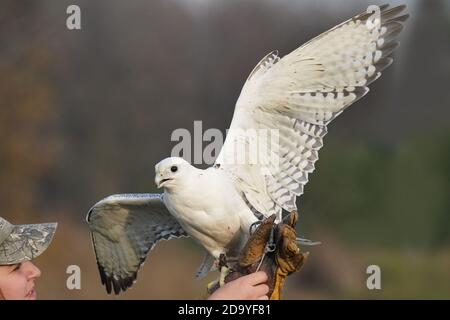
(88,113)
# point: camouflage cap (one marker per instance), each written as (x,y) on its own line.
(23,242)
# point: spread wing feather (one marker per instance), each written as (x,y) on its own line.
(291,100)
(124,229)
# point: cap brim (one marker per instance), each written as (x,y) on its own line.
(26,242)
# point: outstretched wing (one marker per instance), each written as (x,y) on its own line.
(285,105)
(124,228)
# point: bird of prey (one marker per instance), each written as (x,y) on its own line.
(297,95)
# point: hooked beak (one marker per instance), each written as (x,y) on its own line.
(160,182)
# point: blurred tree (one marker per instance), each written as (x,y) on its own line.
(28,143)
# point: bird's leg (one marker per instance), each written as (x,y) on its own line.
(222,261)
(221,264)
(224,269)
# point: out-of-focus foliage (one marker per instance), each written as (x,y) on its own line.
(396,196)
(28,135)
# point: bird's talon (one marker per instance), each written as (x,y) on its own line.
(210,286)
(224,271)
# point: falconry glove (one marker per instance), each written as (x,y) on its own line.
(271,248)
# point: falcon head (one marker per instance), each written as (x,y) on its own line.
(169,170)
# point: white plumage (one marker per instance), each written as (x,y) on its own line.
(295,97)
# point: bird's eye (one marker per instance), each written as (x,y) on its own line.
(174,168)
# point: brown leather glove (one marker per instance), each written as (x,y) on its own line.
(272,248)
(289,258)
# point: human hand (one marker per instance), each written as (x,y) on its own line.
(250,287)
